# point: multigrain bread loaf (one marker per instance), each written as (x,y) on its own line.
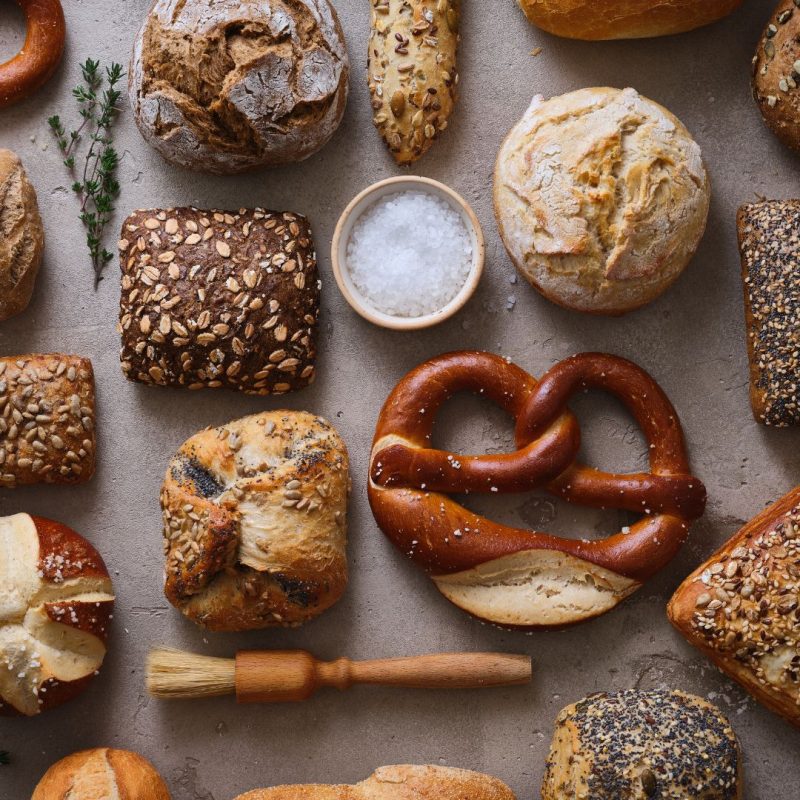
(21,236)
(769,243)
(776,73)
(255,524)
(643,745)
(47,419)
(412,72)
(601,197)
(101,774)
(55,608)
(219,299)
(227,86)
(741,608)
(624,19)
(403,782)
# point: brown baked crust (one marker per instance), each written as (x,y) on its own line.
(776,81)
(770,252)
(740,608)
(100,774)
(47,419)
(219,299)
(624,19)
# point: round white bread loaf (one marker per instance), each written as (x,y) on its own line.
(21,236)
(101,774)
(255,522)
(228,86)
(55,607)
(601,197)
(624,19)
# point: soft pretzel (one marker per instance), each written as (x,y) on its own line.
(522,578)
(40,55)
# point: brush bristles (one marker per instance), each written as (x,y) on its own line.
(173,674)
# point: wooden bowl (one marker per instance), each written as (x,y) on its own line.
(365,200)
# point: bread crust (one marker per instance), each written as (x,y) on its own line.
(624,19)
(748,624)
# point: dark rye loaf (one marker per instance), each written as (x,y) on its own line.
(219,299)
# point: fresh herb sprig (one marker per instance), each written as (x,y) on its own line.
(95,184)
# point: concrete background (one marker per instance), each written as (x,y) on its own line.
(692,340)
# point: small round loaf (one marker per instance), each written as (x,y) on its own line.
(21,236)
(637,745)
(236,84)
(601,197)
(101,774)
(55,608)
(255,522)
(776,73)
(624,19)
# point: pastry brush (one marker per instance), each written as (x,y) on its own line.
(279,676)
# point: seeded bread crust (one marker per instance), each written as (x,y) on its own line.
(740,608)
(776,73)
(255,522)
(47,419)
(769,243)
(219,299)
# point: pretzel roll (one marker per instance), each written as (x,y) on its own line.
(40,55)
(522,578)
(55,606)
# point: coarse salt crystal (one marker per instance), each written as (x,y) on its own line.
(409,254)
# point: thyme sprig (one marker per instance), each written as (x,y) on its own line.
(95,184)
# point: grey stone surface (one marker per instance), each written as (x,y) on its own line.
(692,339)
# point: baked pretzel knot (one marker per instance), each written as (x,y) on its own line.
(523,578)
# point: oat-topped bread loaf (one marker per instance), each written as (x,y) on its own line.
(403,782)
(769,242)
(255,522)
(55,607)
(643,745)
(235,84)
(21,236)
(46,419)
(601,197)
(102,774)
(742,607)
(217,298)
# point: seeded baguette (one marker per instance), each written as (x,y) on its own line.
(412,72)
(219,299)
(46,419)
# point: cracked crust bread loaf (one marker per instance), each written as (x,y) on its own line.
(21,236)
(101,774)
(643,745)
(46,419)
(741,608)
(776,73)
(403,782)
(255,526)
(624,19)
(219,299)
(56,603)
(232,85)
(769,245)
(601,197)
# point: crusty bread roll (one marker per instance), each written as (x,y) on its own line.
(635,745)
(403,782)
(255,522)
(102,774)
(21,236)
(235,84)
(55,606)
(624,19)
(601,197)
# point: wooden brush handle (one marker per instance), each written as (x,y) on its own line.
(278,676)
